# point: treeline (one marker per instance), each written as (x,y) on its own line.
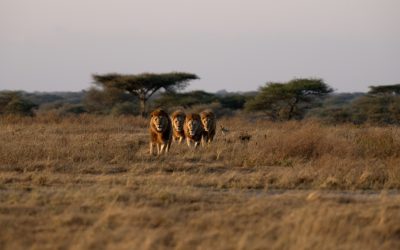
(294,100)
(111,101)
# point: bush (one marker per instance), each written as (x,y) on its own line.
(216,107)
(186,100)
(234,101)
(61,109)
(125,108)
(377,109)
(107,100)
(12,102)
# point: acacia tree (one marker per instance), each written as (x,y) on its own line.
(381,105)
(385,89)
(146,84)
(288,100)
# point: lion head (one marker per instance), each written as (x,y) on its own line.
(178,120)
(193,124)
(159,120)
(208,120)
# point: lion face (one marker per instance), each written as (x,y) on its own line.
(207,123)
(160,122)
(178,122)
(208,120)
(193,126)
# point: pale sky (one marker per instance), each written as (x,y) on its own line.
(55,45)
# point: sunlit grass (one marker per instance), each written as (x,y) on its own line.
(89,183)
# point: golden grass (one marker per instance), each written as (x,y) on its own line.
(88,182)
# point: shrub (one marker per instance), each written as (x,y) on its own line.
(125,108)
(12,102)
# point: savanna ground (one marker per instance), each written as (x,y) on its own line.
(88,183)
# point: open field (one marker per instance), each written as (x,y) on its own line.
(88,183)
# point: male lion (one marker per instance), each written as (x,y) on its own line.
(193,129)
(160,131)
(209,125)
(178,122)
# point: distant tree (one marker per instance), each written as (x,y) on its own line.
(335,108)
(125,108)
(104,100)
(331,115)
(380,106)
(285,101)
(146,84)
(12,102)
(40,98)
(385,89)
(61,109)
(185,100)
(233,101)
(336,100)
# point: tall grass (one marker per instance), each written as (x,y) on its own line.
(281,155)
(88,182)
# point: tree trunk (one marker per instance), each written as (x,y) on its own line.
(142,102)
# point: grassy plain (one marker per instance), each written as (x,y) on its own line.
(88,183)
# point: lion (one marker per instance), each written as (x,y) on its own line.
(209,124)
(193,129)
(160,131)
(178,122)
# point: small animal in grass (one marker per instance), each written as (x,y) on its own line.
(224,130)
(244,137)
(193,129)
(178,121)
(160,131)
(209,124)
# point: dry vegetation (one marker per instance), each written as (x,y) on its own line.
(88,183)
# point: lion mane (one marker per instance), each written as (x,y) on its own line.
(178,123)
(209,124)
(193,129)
(160,131)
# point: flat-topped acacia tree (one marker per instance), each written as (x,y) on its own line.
(144,85)
(385,89)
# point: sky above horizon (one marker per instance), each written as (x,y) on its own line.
(56,45)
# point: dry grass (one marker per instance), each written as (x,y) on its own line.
(88,183)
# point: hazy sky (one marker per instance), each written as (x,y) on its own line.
(50,45)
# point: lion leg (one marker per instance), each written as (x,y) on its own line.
(188,142)
(212,137)
(204,140)
(168,146)
(162,148)
(158,149)
(151,148)
(196,144)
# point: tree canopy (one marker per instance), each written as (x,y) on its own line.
(385,89)
(12,102)
(146,84)
(185,100)
(285,101)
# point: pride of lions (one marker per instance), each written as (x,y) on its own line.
(195,128)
